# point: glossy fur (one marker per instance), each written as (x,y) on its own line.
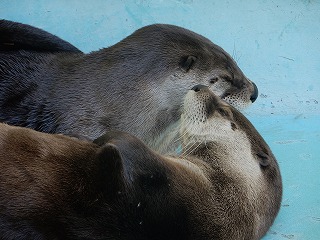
(226,183)
(56,187)
(17,36)
(245,176)
(136,86)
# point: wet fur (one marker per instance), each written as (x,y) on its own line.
(141,79)
(54,186)
(243,170)
(17,36)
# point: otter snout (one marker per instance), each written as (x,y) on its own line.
(254,95)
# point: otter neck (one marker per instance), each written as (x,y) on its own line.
(234,151)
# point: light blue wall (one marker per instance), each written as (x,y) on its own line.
(276,44)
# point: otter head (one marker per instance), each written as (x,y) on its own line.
(150,196)
(166,61)
(224,185)
(194,197)
(217,133)
(156,66)
(183,59)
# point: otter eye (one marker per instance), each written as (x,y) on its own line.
(213,80)
(223,112)
(227,78)
(233,126)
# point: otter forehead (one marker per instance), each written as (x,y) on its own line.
(165,31)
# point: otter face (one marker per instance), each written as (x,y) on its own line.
(209,120)
(194,59)
(174,60)
(213,67)
(220,135)
(206,117)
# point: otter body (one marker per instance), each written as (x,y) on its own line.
(136,86)
(225,184)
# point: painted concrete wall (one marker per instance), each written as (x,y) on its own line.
(276,44)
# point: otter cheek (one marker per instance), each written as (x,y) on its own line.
(220,88)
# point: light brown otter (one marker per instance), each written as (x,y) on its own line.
(226,183)
(246,187)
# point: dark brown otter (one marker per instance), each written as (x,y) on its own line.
(226,183)
(56,187)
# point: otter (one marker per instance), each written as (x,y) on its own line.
(136,85)
(225,184)
(245,176)
(17,36)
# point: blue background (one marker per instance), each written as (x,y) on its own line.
(275,43)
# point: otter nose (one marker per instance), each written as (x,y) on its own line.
(198,87)
(254,95)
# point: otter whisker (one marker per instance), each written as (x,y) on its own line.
(185,151)
(181,135)
(191,148)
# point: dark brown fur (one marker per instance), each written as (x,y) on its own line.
(56,187)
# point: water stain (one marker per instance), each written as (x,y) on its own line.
(288,236)
(287,58)
(291,141)
(317,219)
(185,1)
(298,116)
(305,156)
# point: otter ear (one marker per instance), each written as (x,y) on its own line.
(110,168)
(118,155)
(119,159)
(187,62)
(125,162)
